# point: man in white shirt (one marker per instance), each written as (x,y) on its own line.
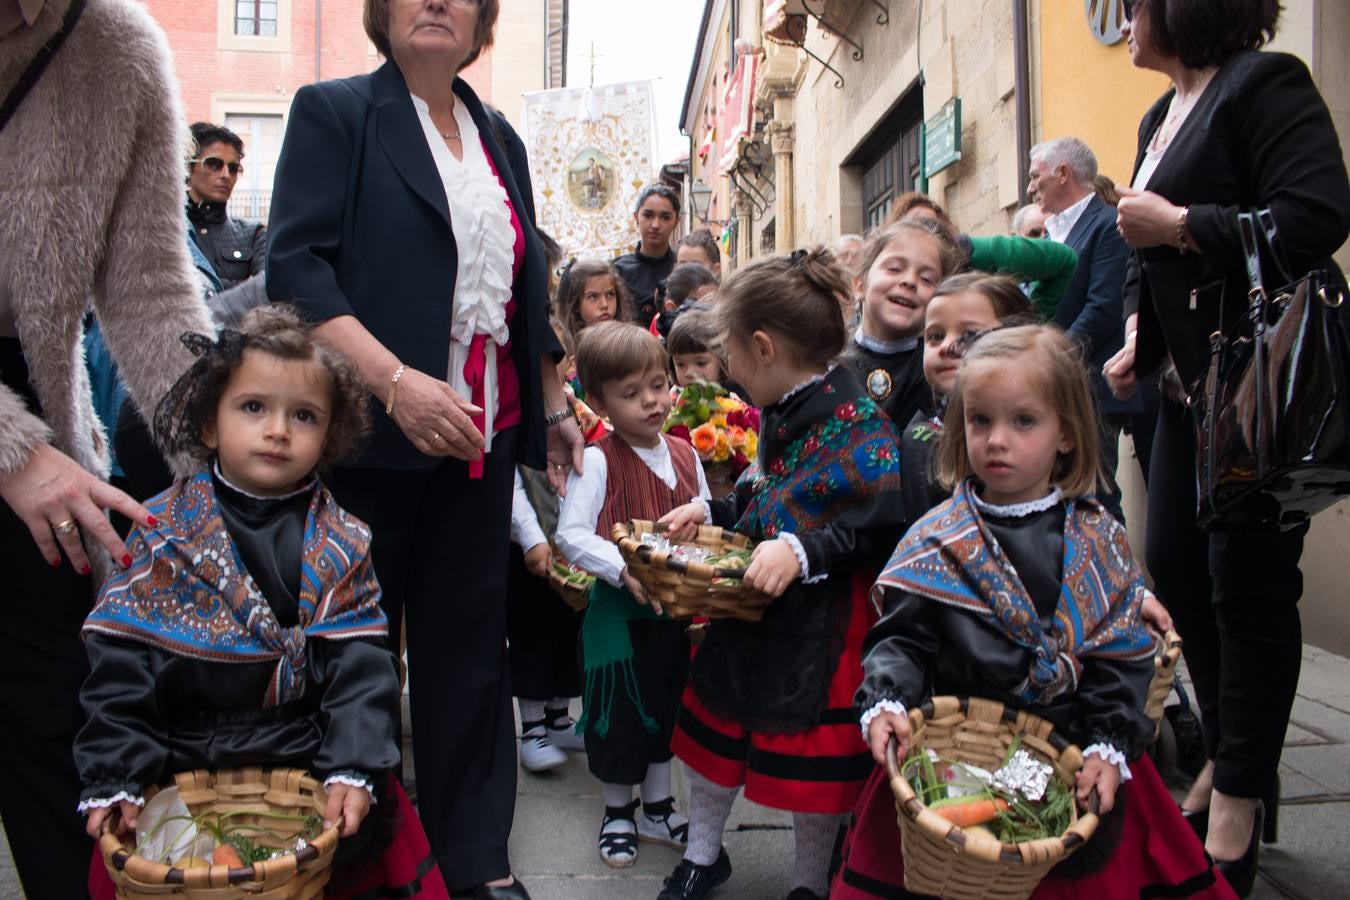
(1092,310)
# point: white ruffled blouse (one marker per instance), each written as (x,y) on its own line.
(485,245)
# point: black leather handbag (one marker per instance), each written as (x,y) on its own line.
(1274,418)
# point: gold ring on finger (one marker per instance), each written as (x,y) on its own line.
(66,527)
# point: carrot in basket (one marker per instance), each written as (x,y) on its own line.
(973,810)
(225,855)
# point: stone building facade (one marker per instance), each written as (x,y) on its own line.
(841,88)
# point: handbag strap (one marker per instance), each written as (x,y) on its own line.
(35,68)
(1247,231)
(1266,220)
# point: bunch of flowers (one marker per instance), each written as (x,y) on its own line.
(722,427)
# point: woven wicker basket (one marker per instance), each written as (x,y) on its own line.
(686,589)
(573,595)
(943,859)
(1164,674)
(297,876)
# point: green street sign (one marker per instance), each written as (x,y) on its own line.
(942,138)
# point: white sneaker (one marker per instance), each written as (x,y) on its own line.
(537,753)
(564,736)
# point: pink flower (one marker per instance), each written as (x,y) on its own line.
(679,431)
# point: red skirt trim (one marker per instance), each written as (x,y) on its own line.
(406,869)
(1158,854)
(820,770)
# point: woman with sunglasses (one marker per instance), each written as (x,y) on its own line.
(402,223)
(1239,129)
(236,248)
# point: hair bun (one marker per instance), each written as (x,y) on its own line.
(819,266)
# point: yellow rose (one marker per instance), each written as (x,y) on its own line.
(722,449)
(726,404)
(718,420)
(751,445)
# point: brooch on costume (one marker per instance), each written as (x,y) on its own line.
(879,384)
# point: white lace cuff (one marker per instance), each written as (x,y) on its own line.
(105,802)
(890,706)
(1110,754)
(354,781)
(799,551)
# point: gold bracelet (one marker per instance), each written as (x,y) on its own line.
(1181,230)
(393,391)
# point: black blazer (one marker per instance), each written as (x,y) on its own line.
(1091,312)
(360,226)
(1260,136)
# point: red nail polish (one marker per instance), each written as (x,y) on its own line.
(126,560)
(151,520)
(84,570)
(54,563)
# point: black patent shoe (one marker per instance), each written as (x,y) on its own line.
(690,881)
(1198,819)
(1240,873)
(513,891)
(1270,827)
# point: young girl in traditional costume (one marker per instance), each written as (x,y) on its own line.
(247,630)
(1022,589)
(635,660)
(769,706)
(900,267)
(962,307)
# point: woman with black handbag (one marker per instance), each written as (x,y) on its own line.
(1240,129)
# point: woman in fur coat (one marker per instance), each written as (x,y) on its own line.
(90,213)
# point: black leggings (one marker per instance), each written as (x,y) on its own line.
(1234,598)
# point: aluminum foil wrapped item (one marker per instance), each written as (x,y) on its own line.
(1024,774)
(683,552)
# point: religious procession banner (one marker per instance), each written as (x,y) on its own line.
(591,153)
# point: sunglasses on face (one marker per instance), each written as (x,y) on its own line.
(214,164)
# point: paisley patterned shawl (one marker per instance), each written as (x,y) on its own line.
(187,591)
(826,452)
(950,556)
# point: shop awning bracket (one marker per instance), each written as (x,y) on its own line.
(838,78)
(747,189)
(833,29)
(883,17)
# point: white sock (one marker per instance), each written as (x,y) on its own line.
(616,795)
(656,786)
(709,807)
(815,834)
(531,713)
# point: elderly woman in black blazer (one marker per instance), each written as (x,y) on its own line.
(402,221)
(1240,129)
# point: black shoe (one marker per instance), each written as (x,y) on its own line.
(1270,802)
(1240,873)
(1198,819)
(513,891)
(803,893)
(690,881)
